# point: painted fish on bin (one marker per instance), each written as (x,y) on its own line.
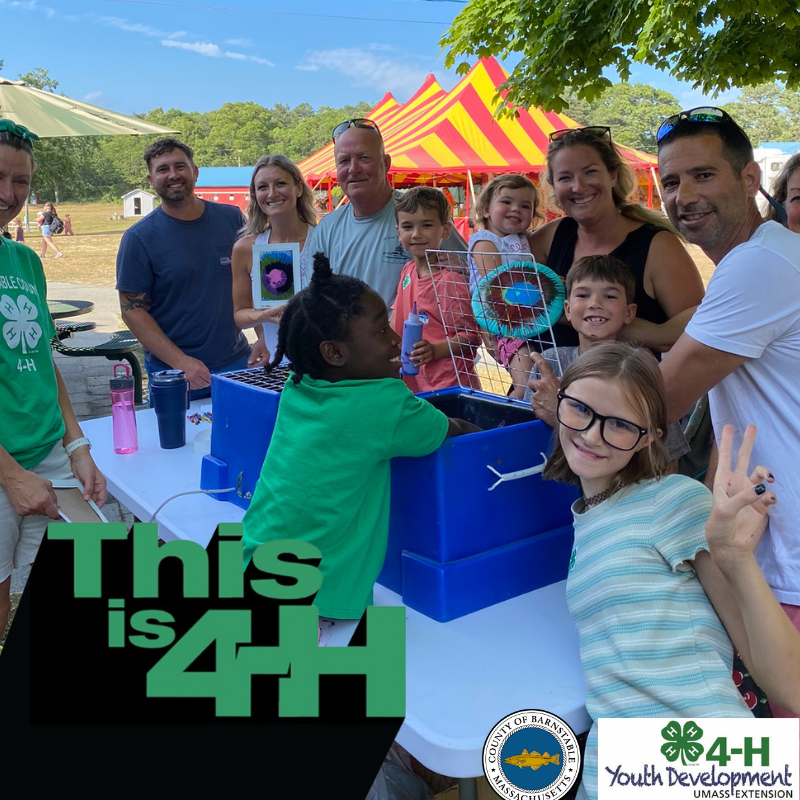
(533,760)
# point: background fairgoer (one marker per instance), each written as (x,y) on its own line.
(19,231)
(44,219)
(786,191)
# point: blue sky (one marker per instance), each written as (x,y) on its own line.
(132,55)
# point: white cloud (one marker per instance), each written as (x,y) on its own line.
(91,97)
(214,51)
(136,27)
(29,5)
(239,42)
(365,68)
(204,48)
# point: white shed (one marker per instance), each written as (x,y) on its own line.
(137,203)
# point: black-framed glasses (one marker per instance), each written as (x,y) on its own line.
(17,130)
(615,432)
(701,114)
(590,131)
(358,122)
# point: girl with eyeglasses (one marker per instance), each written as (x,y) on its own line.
(662,576)
(595,187)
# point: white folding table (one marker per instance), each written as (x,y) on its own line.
(462,676)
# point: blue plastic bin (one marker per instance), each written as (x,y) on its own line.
(454,546)
(448,591)
(245,407)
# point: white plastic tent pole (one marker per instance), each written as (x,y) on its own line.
(658,186)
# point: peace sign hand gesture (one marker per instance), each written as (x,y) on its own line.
(741,501)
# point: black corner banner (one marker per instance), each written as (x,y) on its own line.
(113,631)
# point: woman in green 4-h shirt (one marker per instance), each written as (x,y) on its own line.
(40,439)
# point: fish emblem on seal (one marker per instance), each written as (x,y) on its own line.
(533,759)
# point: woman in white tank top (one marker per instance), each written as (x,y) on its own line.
(280,210)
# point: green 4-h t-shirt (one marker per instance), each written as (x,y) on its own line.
(31,417)
(326,478)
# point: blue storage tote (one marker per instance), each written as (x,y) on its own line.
(455,544)
(448,591)
(442,508)
(245,407)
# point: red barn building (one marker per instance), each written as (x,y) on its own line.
(228,185)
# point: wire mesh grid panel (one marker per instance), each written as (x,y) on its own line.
(494,328)
(274,380)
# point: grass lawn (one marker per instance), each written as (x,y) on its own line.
(90,255)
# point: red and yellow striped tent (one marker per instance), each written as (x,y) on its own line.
(446,138)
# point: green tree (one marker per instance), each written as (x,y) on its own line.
(238,133)
(566,45)
(768,113)
(632,111)
(40,79)
(314,131)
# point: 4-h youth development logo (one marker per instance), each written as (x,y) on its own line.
(530,752)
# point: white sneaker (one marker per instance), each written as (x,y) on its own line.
(59,255)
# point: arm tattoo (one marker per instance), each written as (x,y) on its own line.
(128,301)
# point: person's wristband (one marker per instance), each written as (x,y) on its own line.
(70,448)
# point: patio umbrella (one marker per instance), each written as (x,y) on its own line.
(50,115)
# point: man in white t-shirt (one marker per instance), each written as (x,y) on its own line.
(360,237)
(743,343)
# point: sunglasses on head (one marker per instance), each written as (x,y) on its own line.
(591,132)
(714,115)
(358,122)
(702,114)
(17,130)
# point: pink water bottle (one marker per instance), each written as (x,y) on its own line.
(123,414)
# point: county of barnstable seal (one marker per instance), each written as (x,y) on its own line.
(531,755)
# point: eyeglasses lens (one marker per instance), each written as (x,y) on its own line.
(618,433)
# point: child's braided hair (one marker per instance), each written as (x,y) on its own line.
(320,312)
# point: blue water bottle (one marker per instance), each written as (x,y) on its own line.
(412,333)
(170,391)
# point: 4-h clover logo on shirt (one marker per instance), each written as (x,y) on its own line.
(682,743)
(21,330)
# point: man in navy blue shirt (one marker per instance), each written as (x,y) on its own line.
(174,274)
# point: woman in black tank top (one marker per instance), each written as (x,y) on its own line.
(592,183)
